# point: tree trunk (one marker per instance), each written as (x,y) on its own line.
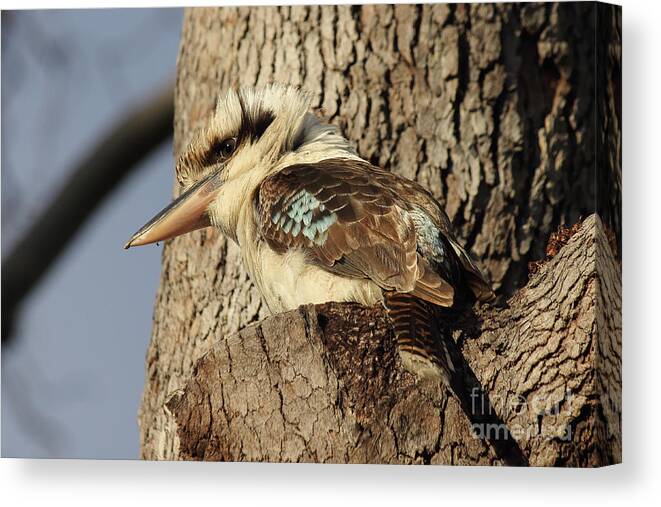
(492,108)
(325,384)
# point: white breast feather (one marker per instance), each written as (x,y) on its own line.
(290,280)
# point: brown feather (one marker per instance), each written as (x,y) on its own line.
(422,348)
(364,226)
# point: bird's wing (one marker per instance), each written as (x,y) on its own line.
(350,219)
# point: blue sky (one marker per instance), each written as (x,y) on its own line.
(71,383)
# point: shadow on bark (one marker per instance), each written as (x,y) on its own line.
(325,383)
(471,395)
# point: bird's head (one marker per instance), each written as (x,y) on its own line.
(252,134)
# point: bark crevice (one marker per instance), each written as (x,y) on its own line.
(325,383)
(491,107)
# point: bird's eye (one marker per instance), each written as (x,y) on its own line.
(227,147)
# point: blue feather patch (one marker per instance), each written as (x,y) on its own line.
(306,214)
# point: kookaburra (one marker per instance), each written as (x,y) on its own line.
(317,223)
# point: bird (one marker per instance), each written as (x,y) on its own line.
(317,223)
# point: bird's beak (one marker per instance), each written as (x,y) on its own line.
(185,214)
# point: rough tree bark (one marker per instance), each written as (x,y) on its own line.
(492,108)
(325,384)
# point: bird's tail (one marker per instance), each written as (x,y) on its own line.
(427,349)
(422,348)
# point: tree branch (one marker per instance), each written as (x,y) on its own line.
(96,176)
(324,383)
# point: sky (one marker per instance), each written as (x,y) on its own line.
(73,377)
